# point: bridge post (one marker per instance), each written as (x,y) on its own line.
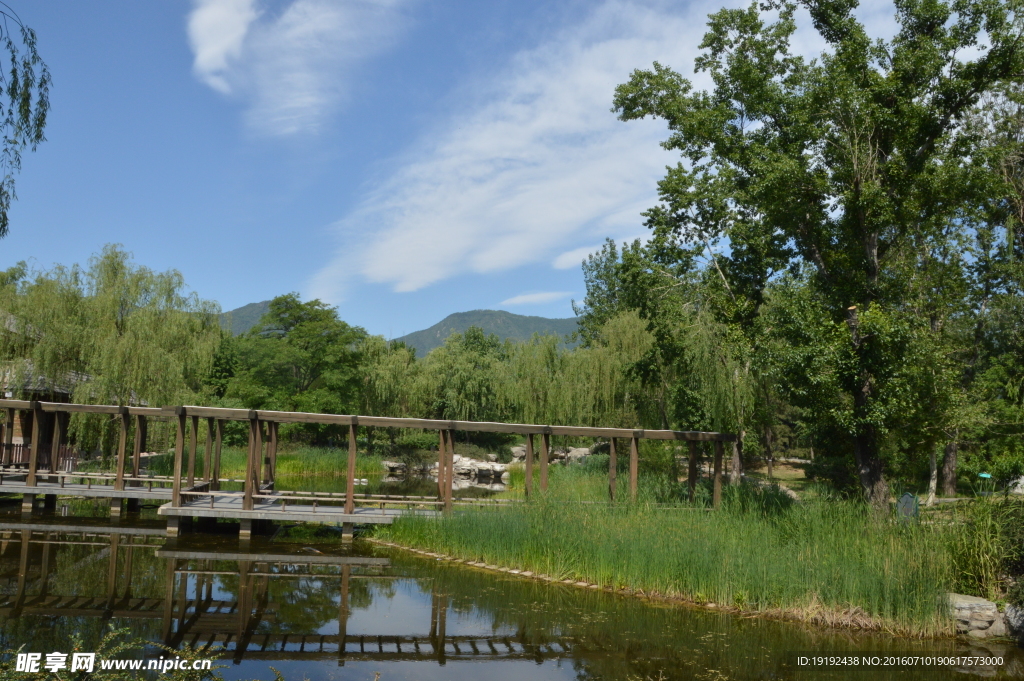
(138,447)
(179,455)
(193,442)
(8,438)
(717,495)
(442,463)
(122,446)
(215,483)
(28,501)
(350,481)
(545,448)
(450,472)
(250,462)
(634,458)
(267,475)
(613,467)
(208,453)
(529,465)
(691,472)
(272,453)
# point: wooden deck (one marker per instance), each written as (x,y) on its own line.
(214,505)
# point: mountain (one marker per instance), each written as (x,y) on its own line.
(503,324)
(241,319)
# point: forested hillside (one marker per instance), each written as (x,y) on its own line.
(505,325)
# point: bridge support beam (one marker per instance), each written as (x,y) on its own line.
(529,465)
(634,458)
(545,450)
(717,494)
(691,472)
(613,467)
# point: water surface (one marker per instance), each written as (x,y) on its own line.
(316,608)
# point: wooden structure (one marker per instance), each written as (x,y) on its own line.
(191,493)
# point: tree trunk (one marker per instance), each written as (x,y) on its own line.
(949,468)
(769,447)
(736,474)
(865,441)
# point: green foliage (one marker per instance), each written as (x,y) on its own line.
(987,545)
(301,357)
(111,333)
(27,86)
(854,174)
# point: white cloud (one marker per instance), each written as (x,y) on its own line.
(574,258)
(536,298)
(537,163)
(216,31)
(536,166)
(291,67)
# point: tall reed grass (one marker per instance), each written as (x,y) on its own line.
(821,560)
(292,462)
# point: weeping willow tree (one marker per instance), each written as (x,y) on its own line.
(460,378)
(392,382)
(591,386)
(109,333)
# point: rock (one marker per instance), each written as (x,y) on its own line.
(396,466)
(1017,486)
(519,452)
(1015,622)
(976,617)
(492,457)
(577,454)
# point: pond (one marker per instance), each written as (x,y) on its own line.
(313,607)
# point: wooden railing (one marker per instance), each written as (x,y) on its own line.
(261,460)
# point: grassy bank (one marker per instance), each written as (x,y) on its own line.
(824,561)
(292,462)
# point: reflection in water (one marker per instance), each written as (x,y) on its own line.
(334,611)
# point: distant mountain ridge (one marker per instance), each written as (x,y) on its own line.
(503,324)
(241,319)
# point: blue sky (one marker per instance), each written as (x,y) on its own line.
(401,159)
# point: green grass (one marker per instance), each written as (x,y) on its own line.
(291,462)
(814,560)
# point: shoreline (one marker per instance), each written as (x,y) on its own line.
(850,619)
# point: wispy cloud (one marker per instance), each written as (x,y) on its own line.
(536,298)
(536,165)
(292,66)
(574,258)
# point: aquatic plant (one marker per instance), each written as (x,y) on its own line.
(821,561)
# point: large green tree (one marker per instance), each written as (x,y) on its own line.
(844,168)
(300,357)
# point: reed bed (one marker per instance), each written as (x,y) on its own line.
(291,462)
(834,562)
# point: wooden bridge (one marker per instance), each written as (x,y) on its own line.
(46,467)
(191,615)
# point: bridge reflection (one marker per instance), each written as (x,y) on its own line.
(222,601)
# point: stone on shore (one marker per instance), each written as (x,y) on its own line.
(976,617)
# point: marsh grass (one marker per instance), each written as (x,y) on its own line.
(291,462)
(821,561)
